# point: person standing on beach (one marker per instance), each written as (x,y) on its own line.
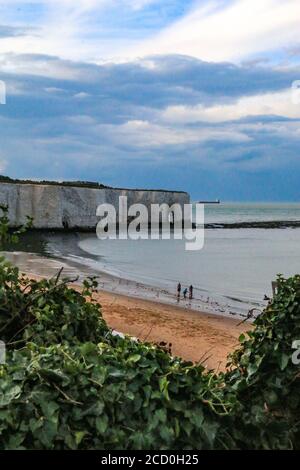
(185,293)
(191,290)
(178,290)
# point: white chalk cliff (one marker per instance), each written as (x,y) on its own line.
(58,207)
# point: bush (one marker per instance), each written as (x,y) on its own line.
(125,396)
(46,311)
(266,381)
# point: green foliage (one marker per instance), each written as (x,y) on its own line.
(7,236)
(101,396)
(69,383)
(266,381)
(46,311)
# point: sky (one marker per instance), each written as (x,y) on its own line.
(194,95)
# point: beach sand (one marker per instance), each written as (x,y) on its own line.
(195,336)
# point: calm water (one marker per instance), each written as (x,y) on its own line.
(233,272)
(236,213)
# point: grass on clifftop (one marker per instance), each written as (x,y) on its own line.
(78,184)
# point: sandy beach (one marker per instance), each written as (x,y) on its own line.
(195,336)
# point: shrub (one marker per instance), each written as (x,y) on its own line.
(125,396)
(46,311)
(266,381)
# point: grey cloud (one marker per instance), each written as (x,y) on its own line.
(7,31)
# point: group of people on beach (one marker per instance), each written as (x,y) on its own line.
(186,291)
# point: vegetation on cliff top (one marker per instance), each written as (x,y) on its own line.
(77,184)
(74,184)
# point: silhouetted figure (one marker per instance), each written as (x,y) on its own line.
(185,293)
(178,290)
(191,291)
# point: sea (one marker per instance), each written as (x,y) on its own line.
(231,275)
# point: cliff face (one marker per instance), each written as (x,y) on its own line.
(57,207)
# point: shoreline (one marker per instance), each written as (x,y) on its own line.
(212,225)
(195,336)
(76,266)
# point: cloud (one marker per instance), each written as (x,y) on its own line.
(143,134)
(156,79)
(272,104)
(87,30)
(13,31)
(232,30)
(81,95)
(119,30)
(54,90)
(294,51)
(41,65)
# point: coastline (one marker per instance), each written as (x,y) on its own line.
(82,267)
(195,335)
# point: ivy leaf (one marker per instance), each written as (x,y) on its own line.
(79,436)
(283,361)
(102,424)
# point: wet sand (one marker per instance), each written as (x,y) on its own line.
(195,336)
(74,267)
